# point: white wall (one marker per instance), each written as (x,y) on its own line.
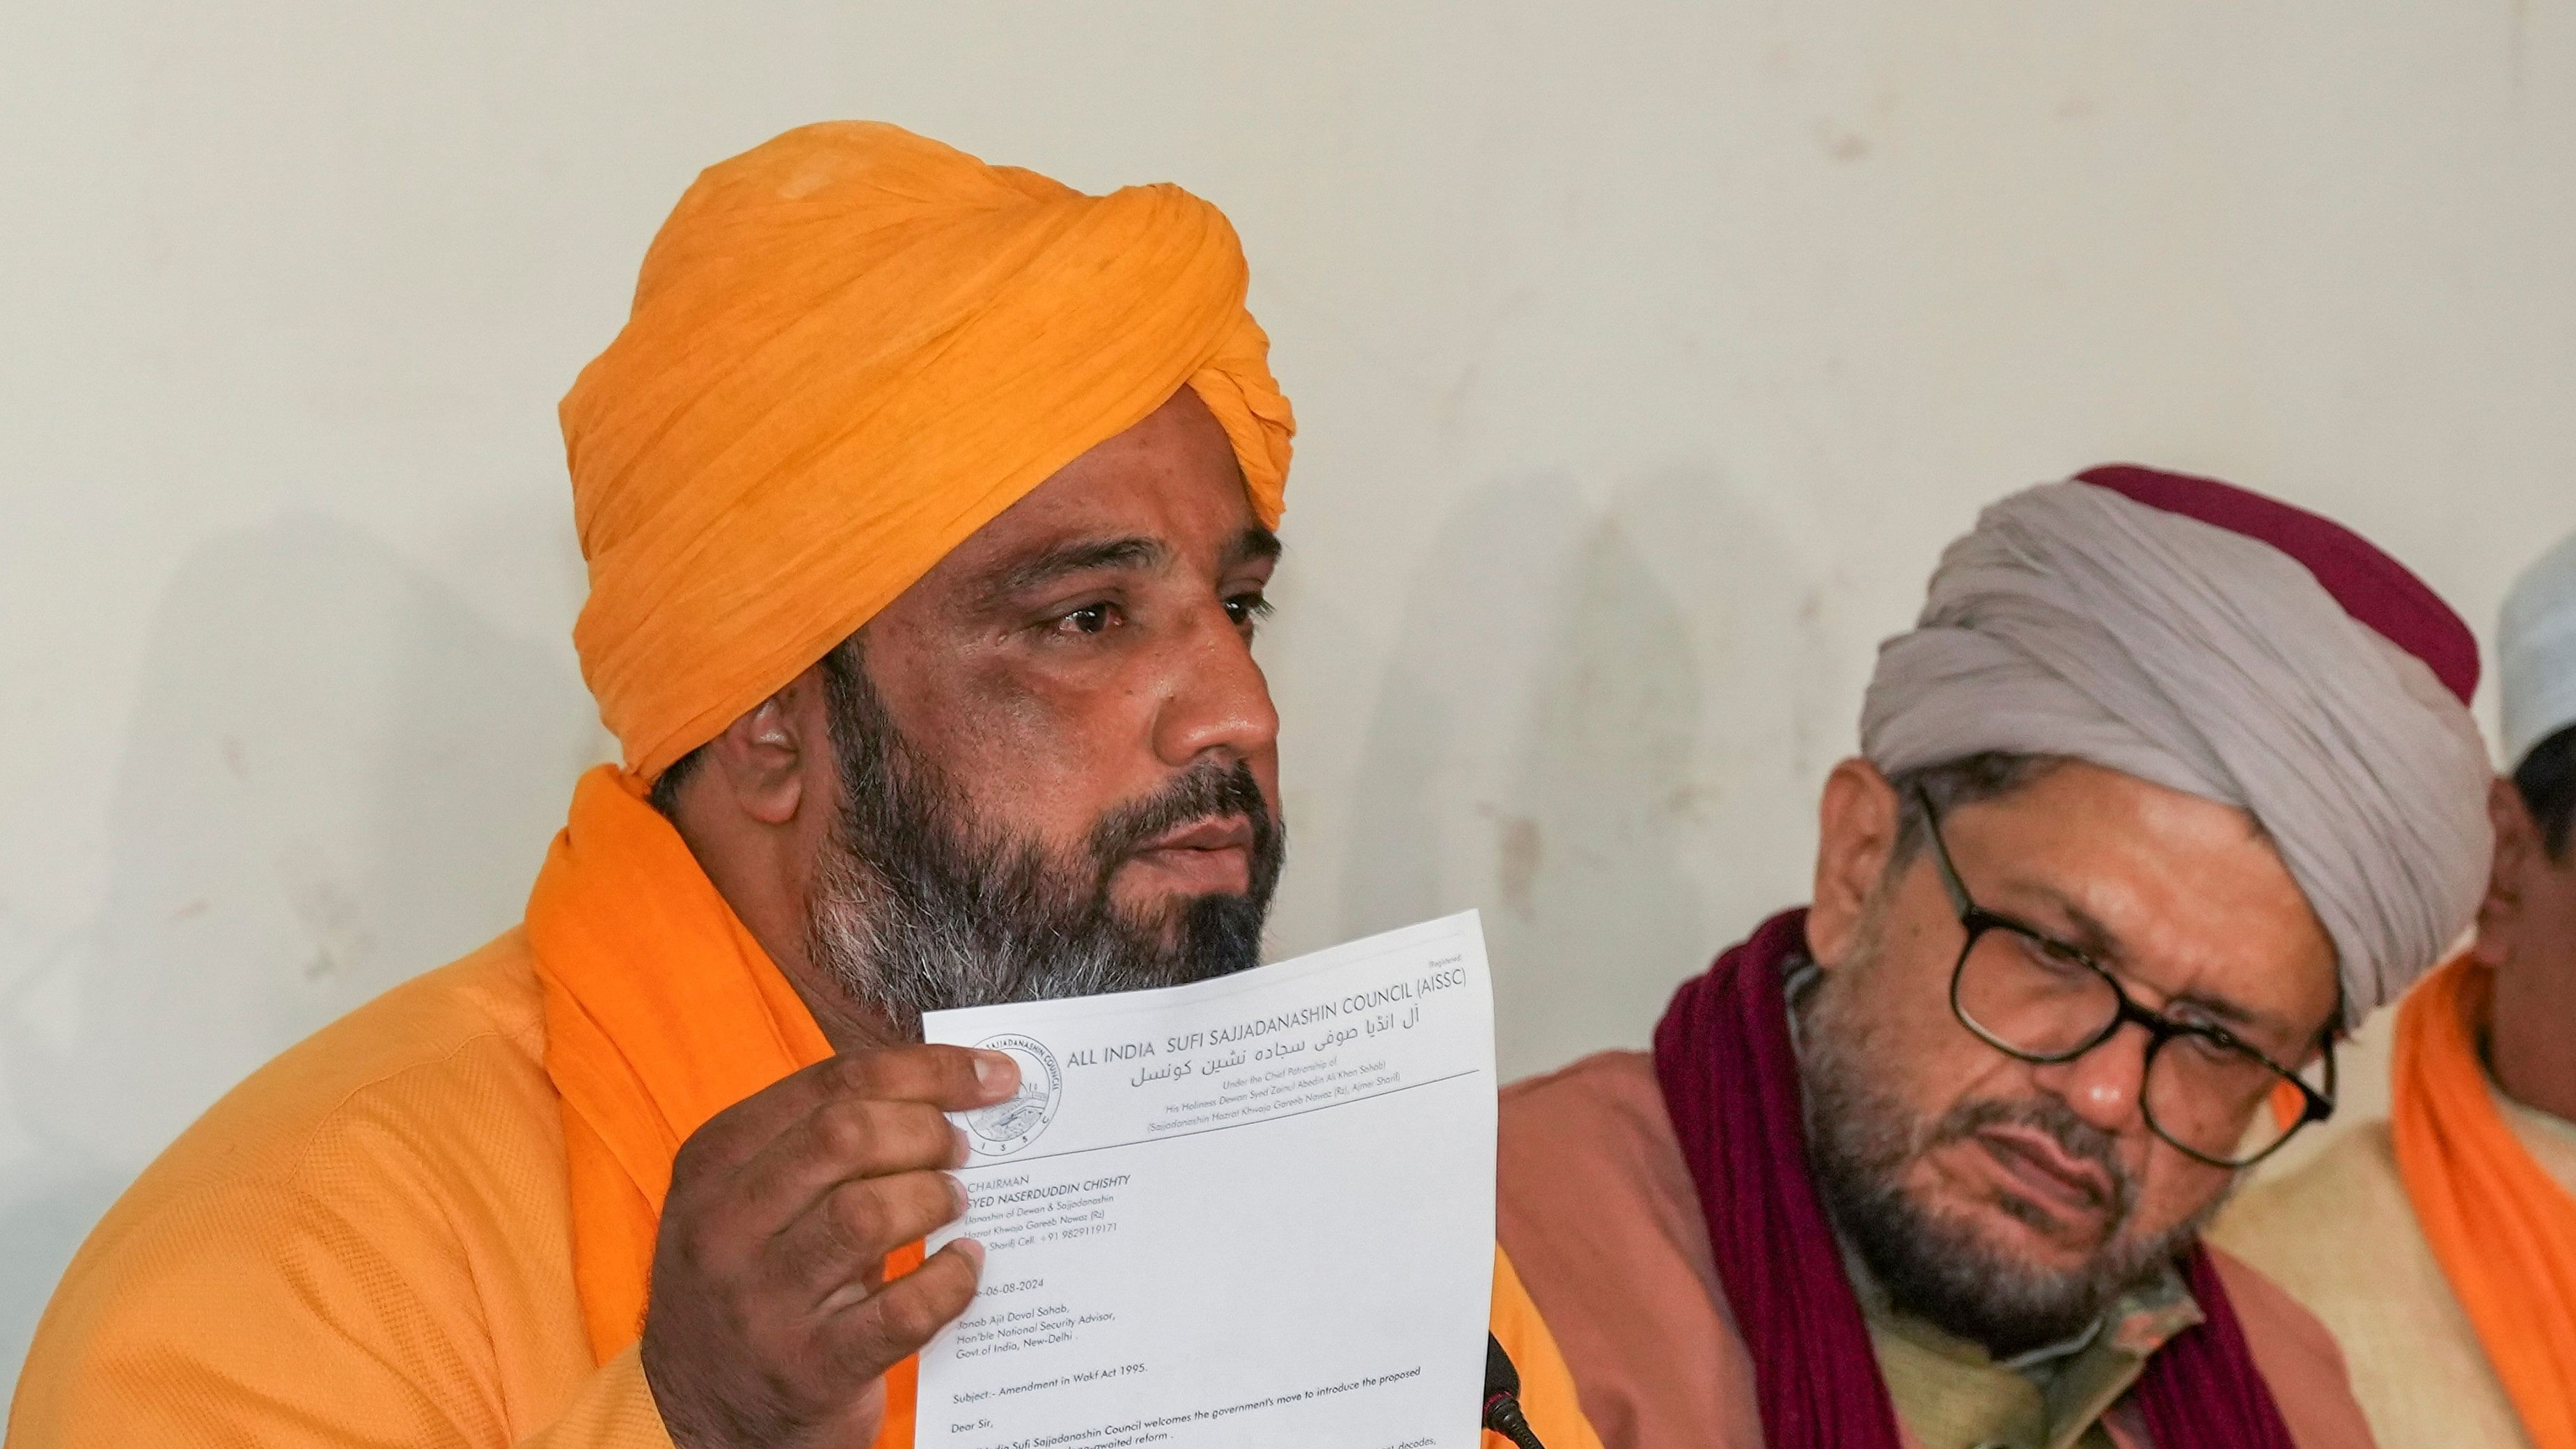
(1645,356)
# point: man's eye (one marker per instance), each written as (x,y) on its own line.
(1089,619)
(1247,609)
(2051,956)
(2211,1047)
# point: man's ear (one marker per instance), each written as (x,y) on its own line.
(1855,837)
(2517,849)
(760,766)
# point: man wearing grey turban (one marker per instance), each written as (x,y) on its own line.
(2170,785)
(2440,1245)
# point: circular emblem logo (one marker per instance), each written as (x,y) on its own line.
(1006,1127)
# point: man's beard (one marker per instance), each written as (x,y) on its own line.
(1932,1263)
(918,906)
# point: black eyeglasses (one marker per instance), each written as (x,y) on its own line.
(2205,1089)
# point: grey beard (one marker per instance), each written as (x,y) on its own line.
(906,947)
(918,908)
(1930,1263)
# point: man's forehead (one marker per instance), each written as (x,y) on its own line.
(2185,895)
(2251,989)
(1184,510)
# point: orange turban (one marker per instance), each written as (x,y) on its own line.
(851,348)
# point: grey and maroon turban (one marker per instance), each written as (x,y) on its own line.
(2225,644)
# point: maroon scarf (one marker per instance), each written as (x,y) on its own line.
(1730,1081)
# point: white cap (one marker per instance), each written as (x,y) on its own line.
(2536,652)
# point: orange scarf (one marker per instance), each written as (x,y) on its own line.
(661,1011)
(2503,1230)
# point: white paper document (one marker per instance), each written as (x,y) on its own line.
(1255,1212)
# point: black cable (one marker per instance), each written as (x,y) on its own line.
(1503,1397)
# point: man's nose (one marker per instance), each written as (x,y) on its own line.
(1214,697)
(2104,1084)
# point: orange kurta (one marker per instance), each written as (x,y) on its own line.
(369,1243)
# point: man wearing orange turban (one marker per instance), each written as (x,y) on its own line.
(929,509)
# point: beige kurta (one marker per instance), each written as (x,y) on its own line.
(2340,1235)
(1598,1211)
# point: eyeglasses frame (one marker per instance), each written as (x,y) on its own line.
(1976,920)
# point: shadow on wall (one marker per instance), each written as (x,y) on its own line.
(337,775)
(1580,701)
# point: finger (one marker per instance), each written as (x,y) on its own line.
(890,1326)
(843,1140)
(791,1141)
(951,1078)
(832,1250)
(740,1131)
(729,1138)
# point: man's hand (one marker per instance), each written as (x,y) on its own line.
(770,1325)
